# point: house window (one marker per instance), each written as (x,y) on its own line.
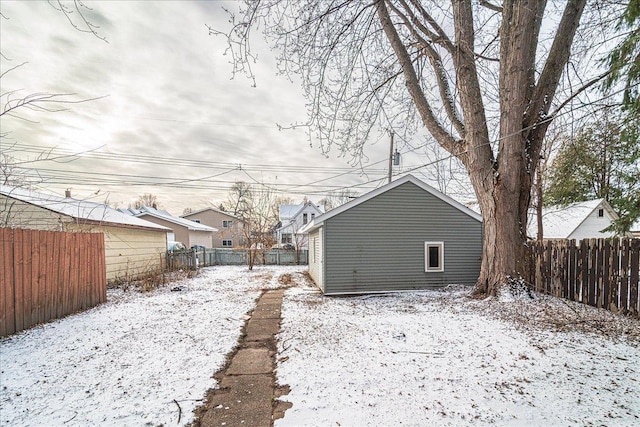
(227,243)
(313,216)
(305,218)
(196,220)
(286,238)
(433,257)
(227,224)
(600,213)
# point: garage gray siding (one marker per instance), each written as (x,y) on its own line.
(378,246)
(315,258)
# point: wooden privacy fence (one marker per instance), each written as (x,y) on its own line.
(599,272)
(46,275)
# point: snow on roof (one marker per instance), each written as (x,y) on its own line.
(317,221)
(291,211)
(211,209)
(161,214)
(559,222)
(76,208)
(288,211)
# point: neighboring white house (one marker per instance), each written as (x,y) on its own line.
(133,247)
(583,220)
(292,219)
(635,229)
(188,232)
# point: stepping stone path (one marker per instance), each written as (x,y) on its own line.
(248,395)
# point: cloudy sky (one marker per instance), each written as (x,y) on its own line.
(170,120)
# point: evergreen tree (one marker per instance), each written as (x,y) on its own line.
(601,161)
(624,60)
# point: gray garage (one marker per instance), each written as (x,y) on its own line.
(400,237)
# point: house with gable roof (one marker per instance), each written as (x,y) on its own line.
(133,247)
(188,232)
(582,220)
(230,228)
(635,229)
(292,218)
(403,236)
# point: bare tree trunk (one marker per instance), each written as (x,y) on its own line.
(252,255)
(504,237)
(443,80)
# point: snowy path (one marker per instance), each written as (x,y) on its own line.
(124,363)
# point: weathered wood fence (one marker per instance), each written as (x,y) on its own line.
(210,257)
(46,275)
(599,272)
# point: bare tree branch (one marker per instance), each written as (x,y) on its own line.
(86,26)
(491,6)
(413,84)
(424,45)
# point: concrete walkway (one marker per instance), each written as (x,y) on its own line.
(247,396)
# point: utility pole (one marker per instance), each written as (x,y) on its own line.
(390,155)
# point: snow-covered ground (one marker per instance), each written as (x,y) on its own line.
(412,359)
(132,360)
(442,359)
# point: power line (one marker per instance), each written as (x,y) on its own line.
(84,177)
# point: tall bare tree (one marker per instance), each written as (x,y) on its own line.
(147,199)
(553,140)
(450,67)
(337,198)
(255,206)
(238,199)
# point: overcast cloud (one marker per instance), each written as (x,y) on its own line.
(167,93)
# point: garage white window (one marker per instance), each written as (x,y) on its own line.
(433,257)
(227,243)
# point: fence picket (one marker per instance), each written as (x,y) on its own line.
(624,276)
(634,265)
(59,258)
(7,283)
(50,277)
(615,276)
(599,263)
(591,273)
(606,274)
(573,263)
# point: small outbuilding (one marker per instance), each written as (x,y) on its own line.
(404,236)
(133,247)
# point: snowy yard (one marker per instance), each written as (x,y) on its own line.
(125,362)
(441,359)
(413,359)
